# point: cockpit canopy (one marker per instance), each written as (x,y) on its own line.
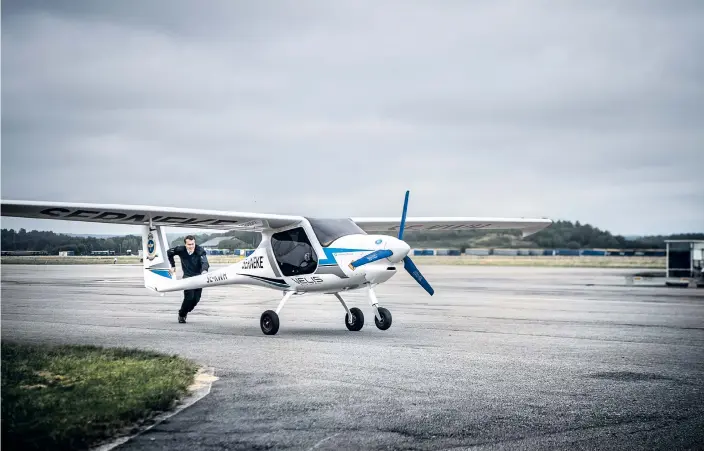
(328,230)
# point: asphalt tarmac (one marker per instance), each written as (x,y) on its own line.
(499,358)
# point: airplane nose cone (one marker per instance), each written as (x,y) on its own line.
(400,249)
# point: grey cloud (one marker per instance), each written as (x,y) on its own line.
(333,109)
(174,17)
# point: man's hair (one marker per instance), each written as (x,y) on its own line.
(189,237)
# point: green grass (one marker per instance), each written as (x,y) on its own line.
(72,397)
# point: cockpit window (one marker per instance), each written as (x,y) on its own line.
(328,230)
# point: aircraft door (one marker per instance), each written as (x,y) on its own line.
(293,252)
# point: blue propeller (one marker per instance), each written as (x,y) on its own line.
(403,216)
(413,271)
(408,264)
(372,257)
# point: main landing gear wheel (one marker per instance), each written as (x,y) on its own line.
(357,319)
(385,322)
(269,322)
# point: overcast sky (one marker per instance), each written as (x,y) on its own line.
(589,111)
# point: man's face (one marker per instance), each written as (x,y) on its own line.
(190,245)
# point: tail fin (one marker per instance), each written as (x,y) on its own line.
(155,261)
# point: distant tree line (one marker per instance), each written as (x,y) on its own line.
(565,234)
(53,243)
(561,235)
(236,240)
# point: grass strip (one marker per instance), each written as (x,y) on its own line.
(73,397)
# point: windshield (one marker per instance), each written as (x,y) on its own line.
(328,230)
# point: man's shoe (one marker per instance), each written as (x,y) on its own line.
(181,319)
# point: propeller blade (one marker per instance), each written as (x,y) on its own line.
(413,271)
(403,217)
(371,257)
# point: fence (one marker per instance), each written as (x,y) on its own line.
(508,252)
(547,252)
(238,252)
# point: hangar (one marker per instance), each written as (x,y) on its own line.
(211,246)
(685,263)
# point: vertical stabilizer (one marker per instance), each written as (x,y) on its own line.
(155,261)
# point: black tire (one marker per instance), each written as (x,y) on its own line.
(385,322)
(269,322)
(357,320)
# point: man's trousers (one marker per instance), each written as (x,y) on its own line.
(190,300)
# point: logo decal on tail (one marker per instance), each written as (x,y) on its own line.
(151,246)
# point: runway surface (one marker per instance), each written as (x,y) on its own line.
(499,358)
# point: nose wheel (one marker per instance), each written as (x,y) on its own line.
(383,321)
(382,317)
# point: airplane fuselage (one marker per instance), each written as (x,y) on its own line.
(325,272)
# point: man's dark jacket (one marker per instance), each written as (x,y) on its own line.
(194,264)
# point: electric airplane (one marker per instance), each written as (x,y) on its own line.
(297,254)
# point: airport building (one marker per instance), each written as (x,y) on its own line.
(685,262)
(211,246)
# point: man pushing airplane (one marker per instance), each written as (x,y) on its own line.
(194,262)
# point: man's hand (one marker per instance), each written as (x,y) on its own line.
(172,271)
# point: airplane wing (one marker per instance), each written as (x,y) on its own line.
(527,226)
(140,215)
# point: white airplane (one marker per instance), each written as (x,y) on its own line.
(297,254)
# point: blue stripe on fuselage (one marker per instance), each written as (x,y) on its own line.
(329,259)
